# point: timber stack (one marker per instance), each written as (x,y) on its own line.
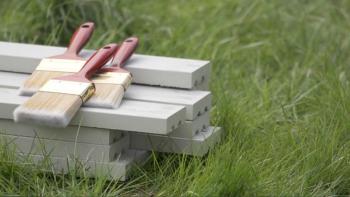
(165,109)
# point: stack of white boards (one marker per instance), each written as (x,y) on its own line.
(166,109)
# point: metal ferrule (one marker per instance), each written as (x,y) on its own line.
(61,65)
(83,89)
(118,78)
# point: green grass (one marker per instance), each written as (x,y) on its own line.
(280,83)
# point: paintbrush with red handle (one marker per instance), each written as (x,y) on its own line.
(112,82)
(58,100)
(67,63)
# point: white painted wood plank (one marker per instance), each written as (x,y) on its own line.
(57,148)
(92,135)
(137,116)
(146,69)
(114,170)
(196,102)
(199,145)
(12,80)
(69,134)
(192,128)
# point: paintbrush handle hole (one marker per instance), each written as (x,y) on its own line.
(85,26)
(107,47)
(195,83)
(204,130)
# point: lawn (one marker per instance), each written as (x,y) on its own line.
(280,83)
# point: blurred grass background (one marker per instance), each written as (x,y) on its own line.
(280,83)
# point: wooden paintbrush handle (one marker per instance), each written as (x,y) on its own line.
(97,60)
(79,39)
(125,51)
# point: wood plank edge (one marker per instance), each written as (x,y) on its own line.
(199,145)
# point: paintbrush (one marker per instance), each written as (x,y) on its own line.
(111,82)
(58,100)
(67,63)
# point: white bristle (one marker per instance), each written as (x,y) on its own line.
(106,96)
(47,108)
(36,80)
